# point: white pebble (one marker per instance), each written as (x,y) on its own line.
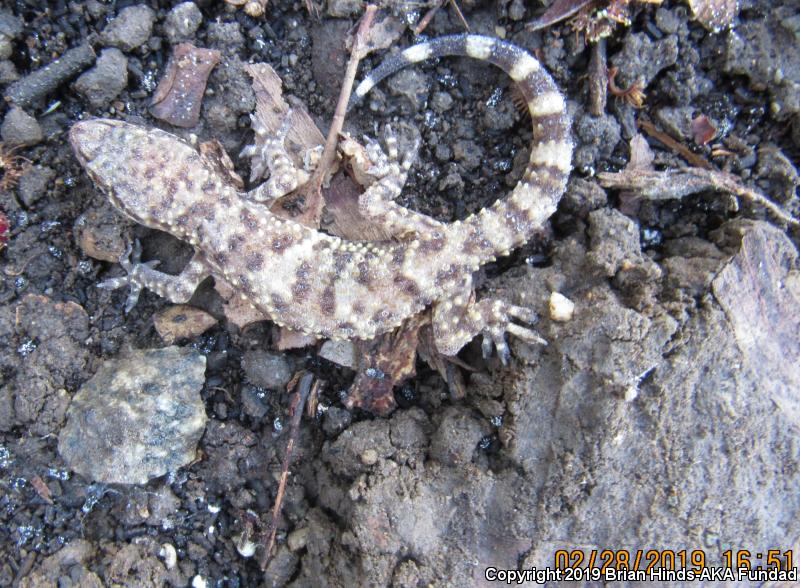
(561,307)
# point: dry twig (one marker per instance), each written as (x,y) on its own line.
(302,391)
(668,184)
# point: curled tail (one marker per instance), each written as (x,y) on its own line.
(509,222)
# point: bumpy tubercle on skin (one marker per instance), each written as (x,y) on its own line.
(320,284)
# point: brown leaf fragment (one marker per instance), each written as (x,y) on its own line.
(41,489)
(342,217)
(384,363)
(560,10)
(215,155)
(448,367)
(271,111)
(180,93)
(291,339)
(759,291)
(714,15)
(703,132)
(641,155)
(182,322)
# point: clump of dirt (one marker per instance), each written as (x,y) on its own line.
(662,414)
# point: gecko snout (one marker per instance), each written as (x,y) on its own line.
(88,138)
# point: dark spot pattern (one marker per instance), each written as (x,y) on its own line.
(248,219)
(433,244)
(278,302)
(279,244)
(407,285)
(364,275)
(234,242)
(254,261)
(476,242)
(448,274)
(340,260)
(327,303)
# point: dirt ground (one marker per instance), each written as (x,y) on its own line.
(663,415)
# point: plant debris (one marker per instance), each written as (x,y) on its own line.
(676,184)
(180,93)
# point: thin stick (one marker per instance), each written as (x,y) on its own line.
(298,402)
(356,55)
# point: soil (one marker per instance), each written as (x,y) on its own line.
(663,416)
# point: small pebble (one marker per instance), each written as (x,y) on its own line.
(20,128)
(131,28)
(369,457)
(561,307)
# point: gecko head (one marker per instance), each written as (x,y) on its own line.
(105,148)
(90,138)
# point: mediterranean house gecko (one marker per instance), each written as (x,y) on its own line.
(317,283)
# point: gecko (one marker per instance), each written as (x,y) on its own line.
(317,283)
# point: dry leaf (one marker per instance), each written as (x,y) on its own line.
(703,131)
(180,92)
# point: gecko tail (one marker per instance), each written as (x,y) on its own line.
(511,220)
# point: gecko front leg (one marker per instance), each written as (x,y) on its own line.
(458,319)
(177,289)
(272,156)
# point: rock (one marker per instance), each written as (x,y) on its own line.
(641,59)
(182,22)
(52,351)
(370,439)
(20,128)
(561,307)
(336,420)
(10,28)
(182,321)
(104,82)
(457,436)
(33,184)
(598,137)
(8,72)
(615,240)
(339,352)
(412,84)
(757,49)
(130,29)
(129,423)
(441,102)
(254,401)
(344,8)
(99,233)
(264,369)
(778,170)
(676,120)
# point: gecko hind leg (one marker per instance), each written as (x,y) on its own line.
(457,321)
(269,154)
(390,170)
(177,289)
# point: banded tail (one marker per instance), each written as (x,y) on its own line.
(510,221)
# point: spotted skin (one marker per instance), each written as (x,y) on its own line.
(317,283)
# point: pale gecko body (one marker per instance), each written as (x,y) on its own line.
(317,283)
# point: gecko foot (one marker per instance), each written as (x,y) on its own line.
(497,317)
(389,163)
(129,261)
(269,154)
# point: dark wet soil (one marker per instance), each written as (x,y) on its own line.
(663,415)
